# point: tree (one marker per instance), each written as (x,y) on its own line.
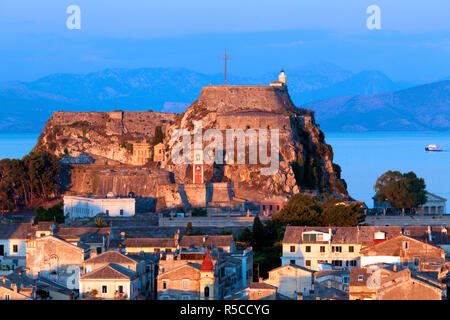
(301,210)
(54,213)
(258,234)
(99,222)
(245,236)
(304,210)
(189,228)
(159,135)
(402,191)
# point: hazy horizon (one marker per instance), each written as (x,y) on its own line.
(412,46)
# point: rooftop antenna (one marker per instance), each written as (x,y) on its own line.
(225,58)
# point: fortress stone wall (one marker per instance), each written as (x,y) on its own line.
(135,123)
(253,121)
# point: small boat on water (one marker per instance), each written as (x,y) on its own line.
(433,147)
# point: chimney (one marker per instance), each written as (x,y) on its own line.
(93,253)
(330,235)
(430,237)
(177,237)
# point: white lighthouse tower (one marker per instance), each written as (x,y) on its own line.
(282,77)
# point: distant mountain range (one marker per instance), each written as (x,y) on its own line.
(343,101)
(420,108)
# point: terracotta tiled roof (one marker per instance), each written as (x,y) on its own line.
(111,257)
(110,271)
(365,235)
(44,225)
(261,285)
(85,234)
(15,230)
(206,241)
(149,242)
(358,277)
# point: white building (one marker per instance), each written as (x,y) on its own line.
(434,205)
(85,207)
(13,245)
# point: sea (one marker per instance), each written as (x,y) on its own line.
(363,157)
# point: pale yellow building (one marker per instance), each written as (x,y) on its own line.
(110,282)
(311,247)
(158,152)
(291,280)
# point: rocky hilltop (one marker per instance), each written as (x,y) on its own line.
(306,161)
(104,135)
(120,146)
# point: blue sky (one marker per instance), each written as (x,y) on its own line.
(412,45)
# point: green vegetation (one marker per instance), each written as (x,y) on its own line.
(83,124)
(159,135)
(180,210)
(199,212)
(22,181)
(54,213)
(401,190)
(225,232)
(126,145)
(265,241)
(303,210)
(100,222)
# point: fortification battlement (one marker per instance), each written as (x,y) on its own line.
(228,99)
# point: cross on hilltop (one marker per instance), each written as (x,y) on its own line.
(225,58)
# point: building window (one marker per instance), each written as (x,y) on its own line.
(120,289)
(104,289)
(351,249)
(337,263)
(15,248)
(360,277)
(292,261)
(416,262)
(99,250)
(308,248)
(270,207)
(405,245)
(309,237)
(185,284)
(206,292)
(336,249)
(2,250)
(7,297)
(292,248)
(308,263)
(322,248)
(264,207)
(164,284)
(185,297)
(107,212)
(278,208)
(42,234)
(121,212)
